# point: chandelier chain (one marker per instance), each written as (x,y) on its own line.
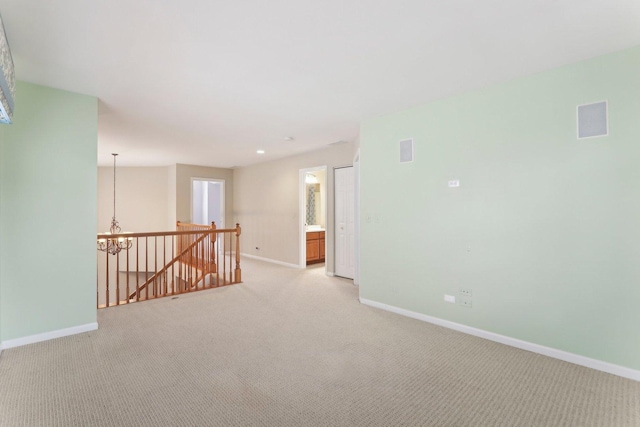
(113,245)
(114,185)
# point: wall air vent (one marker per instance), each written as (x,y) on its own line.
(593,120)
(406,151)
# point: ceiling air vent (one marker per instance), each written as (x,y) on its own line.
(593,120)
(406,151)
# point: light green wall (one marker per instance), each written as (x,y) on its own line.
(48,212)
(1,143)
(544,229)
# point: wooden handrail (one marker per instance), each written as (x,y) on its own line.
(202,226)
(163,233)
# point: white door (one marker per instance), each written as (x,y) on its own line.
(356,228)
(344,222)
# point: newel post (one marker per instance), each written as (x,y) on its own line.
(238,272)
(213,238)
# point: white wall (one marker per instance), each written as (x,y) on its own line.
(143,198)
(267,203)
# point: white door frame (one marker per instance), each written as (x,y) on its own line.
(222,196)
(302,214)
(356,196)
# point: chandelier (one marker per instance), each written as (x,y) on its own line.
(114,245)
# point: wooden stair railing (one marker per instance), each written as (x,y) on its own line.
(192,258)
(187,240)
(185,256)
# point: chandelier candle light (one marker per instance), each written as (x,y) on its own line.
(114,245)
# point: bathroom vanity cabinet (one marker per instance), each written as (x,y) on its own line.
(315,247)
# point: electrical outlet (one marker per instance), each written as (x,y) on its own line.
(466,303)
(450,298)
(465,292)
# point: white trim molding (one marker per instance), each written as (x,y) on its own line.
(598,365)
(31,339)
(273,261)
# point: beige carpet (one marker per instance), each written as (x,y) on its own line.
(294,348)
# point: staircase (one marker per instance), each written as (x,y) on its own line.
(193,258)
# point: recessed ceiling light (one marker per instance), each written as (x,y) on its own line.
(288,138)
(260,151)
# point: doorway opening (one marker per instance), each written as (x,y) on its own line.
(313,217)
(207,201)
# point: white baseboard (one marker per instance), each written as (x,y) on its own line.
(272,261)
(49,335)
(599,365)
(330,274)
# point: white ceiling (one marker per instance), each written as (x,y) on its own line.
(209,82)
